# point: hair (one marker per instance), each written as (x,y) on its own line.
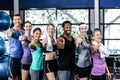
(17,15)
(36,30)
(65,22)
(82,24)
(95,30)
(27,22)
(50,25)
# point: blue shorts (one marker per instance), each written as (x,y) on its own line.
(14,67)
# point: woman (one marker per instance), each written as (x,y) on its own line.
(26,58)
(99,65)
(49,44)
(36,68)
(84,53)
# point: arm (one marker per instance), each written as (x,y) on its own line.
(108,73)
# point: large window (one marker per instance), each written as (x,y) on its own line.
(40,18)
(112,30)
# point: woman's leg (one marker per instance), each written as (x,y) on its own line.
(25,74)
(51,76)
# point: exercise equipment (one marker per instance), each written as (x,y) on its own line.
(5,21)
(2,47)
(89,32)
(3,68)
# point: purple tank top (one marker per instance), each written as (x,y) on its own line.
(98,65)
(27,58)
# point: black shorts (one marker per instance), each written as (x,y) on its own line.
(14,67)
(83,72)
(50,66)
(102,77)
(25,66)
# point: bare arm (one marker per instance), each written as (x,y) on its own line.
(10,33)
(108,73)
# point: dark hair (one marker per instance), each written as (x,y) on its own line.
(36,30)
(16,15)
(63,24)
(27,22)
(50,25)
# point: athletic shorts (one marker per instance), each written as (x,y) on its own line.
(25,66)
(83,72)
(50,66)
(14,67)
(102,77)
(66,75)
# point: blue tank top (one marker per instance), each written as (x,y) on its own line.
(15,45)
(37,58)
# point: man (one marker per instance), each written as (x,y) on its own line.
(66,48)
(16,50)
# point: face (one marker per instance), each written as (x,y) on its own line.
(97,36)
(17,21)
(37,34)
(28,27)
(50,30)
(83,29)
(67,28)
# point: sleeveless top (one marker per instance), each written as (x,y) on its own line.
(15,45)
(54,47)
(66,59)
(98,65)
(84,55)
(27,58)
(37,58)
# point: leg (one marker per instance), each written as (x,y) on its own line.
(34,74)
(25,71)
(63,75)
(25,74)
(51,76)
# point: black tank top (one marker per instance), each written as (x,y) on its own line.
(67,55)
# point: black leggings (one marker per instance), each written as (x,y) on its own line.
(102,77)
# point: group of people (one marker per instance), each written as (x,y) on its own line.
(27,62)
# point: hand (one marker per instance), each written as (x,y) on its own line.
(9,33)
(20,38)
(61,43)
(44,41)
(79,40)
(108,76)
